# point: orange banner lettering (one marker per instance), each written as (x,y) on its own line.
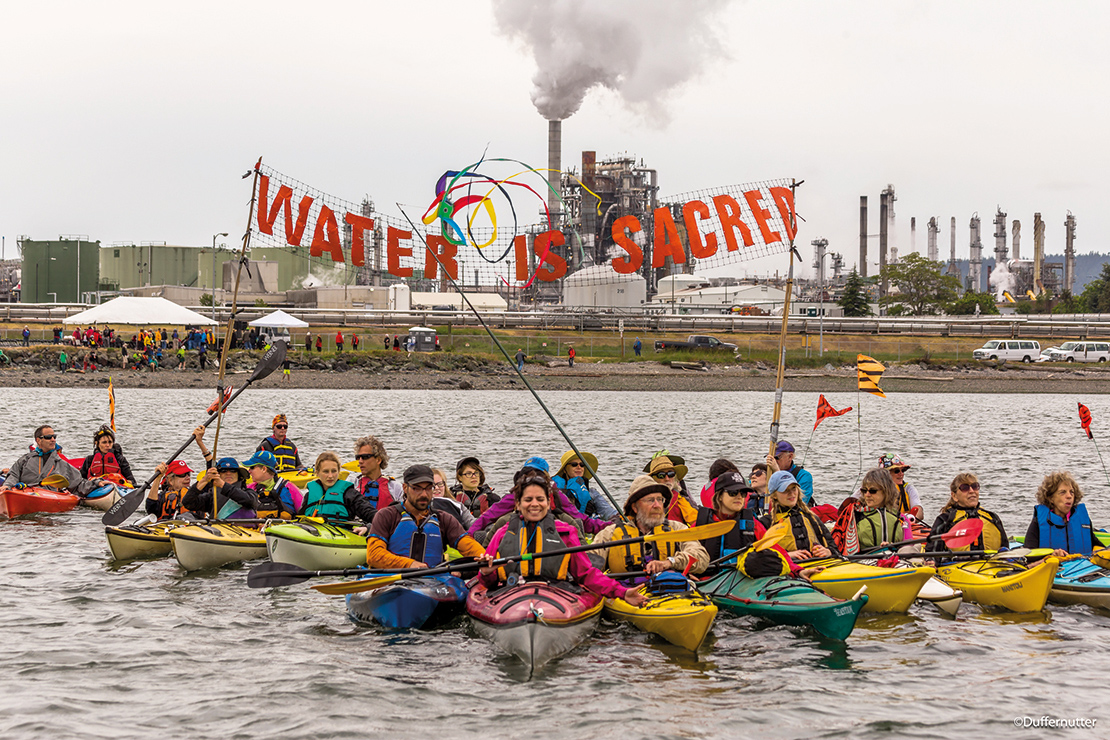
(623,228)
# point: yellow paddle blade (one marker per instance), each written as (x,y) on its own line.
(354,587)
(716,529)
(772,536)
(57,480)
(352,466)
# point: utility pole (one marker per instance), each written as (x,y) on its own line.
(214,272)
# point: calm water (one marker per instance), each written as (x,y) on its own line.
(96,649)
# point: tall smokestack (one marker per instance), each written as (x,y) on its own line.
(863,236)
(913,233)
(884,211)
(555,168)
(975,264)
(1069,253)
(1038,253)
(952,268)
(1001,254)
(931,248)
(1016,238)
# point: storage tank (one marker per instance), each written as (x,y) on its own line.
(600,287)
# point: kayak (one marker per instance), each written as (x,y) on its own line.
(102,498)
(315,545)
(142,540)
(941,595)
(783,600)
(199,546)
(682,619)
(1002,583)
(413,603)
(34,500)
(535,621)
(301,478)
(1081,581)
(888,589)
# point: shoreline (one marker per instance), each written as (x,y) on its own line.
(586,376)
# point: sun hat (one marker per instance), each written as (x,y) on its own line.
(645,485)
(676,460)
(663,463)
(780,481)
(265,458)
(589,460)
(888,460)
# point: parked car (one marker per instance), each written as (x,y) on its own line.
(1082,352)
(1025,350)
(694,341)
(1046,354)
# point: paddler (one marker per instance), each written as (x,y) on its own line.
(166,498)
(228,480)
(379,489)
(719,467)
(784,460)
(283,448)
(670,474)
(335,499)
(874,517)
(43,461)
(758,478)
(414,535)
(963,503)
(471,489)
(107,459)
(442,502)
(573,479)
(1060,521)
(909,500)
(647,505)
(808,536)
(532,529)
(276,497)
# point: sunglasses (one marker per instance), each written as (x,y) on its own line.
(756,472)
(895,471)
(281,426)
(364,457)
(664,474)
(576,465)
(965,487)
(871,491)
(48,436)
(734,494)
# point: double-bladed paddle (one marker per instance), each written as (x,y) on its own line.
(964,533)
(1020,552)
(126,506)
(289,574)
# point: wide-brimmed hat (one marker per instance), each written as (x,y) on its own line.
(676,460)
(586,457)
(645,485)
(662,463)
(780,481)
(230,463)
(265,458)
(889,460)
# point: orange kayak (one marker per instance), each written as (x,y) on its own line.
(19,501)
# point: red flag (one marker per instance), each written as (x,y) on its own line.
(825,410)
(1085,420)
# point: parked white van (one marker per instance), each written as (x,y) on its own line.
(1082,352)
(1012,350)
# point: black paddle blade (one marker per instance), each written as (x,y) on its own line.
(270,361)
(124,508)
(270,575)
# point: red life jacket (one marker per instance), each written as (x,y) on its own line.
(102,464)
(382,498)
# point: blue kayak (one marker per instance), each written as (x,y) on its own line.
(413,603)
(1081,582)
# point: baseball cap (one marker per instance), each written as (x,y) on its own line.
(782,447)
(418,474)
(178,467)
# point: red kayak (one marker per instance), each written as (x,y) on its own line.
(19,501)
(534,620)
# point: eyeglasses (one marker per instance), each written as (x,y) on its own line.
(653,499)
(364,457)
(439,486)
(664,474)
(965,487)
(422,487)
(871,491)
(281,426)
(469,473)
(48,436)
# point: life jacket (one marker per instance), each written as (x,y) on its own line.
(376,490)
(423,542)
(876,526)
(1072,534)
(103,463)
(681,510)
(805,530)
(631,556)
(991,538)
(543,538)
(171,503)
(737,538)
(903,499)
(329,503)
(270,504)
(285,452)
(577,492)
(477,504)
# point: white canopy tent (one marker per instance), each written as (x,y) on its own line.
(278,320)
(140,312)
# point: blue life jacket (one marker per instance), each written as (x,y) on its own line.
(1072,535)
(577,492)
(329,503)
(422,542)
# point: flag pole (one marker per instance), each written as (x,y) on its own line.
(779,376)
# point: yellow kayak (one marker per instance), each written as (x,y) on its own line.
(150,540)
(200,546)
(682,619)
(888,589)
(301,478)
(1003,583)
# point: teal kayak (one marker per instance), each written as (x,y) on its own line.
(783,600)
(315,545)
(1081,582)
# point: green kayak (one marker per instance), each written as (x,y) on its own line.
(315,545)
(783,600)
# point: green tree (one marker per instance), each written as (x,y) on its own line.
(854,298)
(206,299)
(922,287)
(1069,303)
(1096,296)
(965,304)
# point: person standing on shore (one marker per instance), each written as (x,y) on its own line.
(285,373)
(62,360)
(354,342)
(637,346)
(202,357)
(570,356)
(519,359)
(339,341)
(308,341)
(319,343)
(385,342)
(26,336)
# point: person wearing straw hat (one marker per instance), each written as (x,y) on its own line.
(283,448)
(573,479)
(647,505)
(671,475)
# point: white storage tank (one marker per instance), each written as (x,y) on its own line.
(601,287)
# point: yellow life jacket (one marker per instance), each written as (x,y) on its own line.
(990,539)
(762,564)
(630,557)
(544,537)
(802,527)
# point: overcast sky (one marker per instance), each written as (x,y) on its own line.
(133,121)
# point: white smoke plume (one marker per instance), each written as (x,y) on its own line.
(1002,279)
(641,49)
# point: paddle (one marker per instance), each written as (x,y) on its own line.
(126,506)
(968,529)
(683,535)
(1021,552)
(57,480)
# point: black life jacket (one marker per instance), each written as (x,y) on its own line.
(737,538)
(270,505)
(522,537)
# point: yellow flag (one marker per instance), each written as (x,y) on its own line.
(869,371)
(111,404)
